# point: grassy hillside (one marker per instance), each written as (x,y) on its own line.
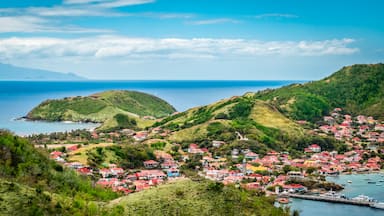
(359,89)
(103,107)
(187,197)
(31,184)
(261,123)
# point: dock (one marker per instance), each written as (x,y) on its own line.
(331,199)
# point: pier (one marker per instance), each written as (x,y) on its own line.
(331,199)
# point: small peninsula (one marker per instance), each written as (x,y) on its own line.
(110,107)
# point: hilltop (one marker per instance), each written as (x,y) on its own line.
(114,108)
(10,72)
(357,89)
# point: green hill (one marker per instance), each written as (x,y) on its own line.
(358,89)
(263,125)
(102,107)
(268,118)
(187,197)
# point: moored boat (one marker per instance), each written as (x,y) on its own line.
(364,198)
(283,200)
(379,205)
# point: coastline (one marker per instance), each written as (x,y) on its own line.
(357,187)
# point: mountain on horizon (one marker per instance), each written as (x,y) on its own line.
(10,72)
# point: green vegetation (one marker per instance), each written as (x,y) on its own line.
(358,89)
(187,197)
(31,184)
(102,107)
(264,126)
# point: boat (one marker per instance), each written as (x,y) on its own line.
(381,180)
(378,205)
(349,181)
(379,184)
(363,198)
(371,182)
(333,194)
(283,200)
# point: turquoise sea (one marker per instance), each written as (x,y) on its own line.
(358,186)
(18,97)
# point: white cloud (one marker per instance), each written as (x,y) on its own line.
(60,11)
(108,3)
(275,15)
(213,21)
(104,47)
(38,24)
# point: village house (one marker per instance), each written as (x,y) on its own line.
(150,174)
(140,136)
(314,148)
(251,156)
(151,164)
(217,144)
(173,172)
(194,149)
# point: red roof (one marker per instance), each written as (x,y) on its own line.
(150,162)
(193,145)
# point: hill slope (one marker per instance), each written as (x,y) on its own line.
(101,107)
(358,89)
(256,120)
(32,184)
(10,72)
(186,197)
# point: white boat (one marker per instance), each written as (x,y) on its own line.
(333,194)
(379,205)
(363,198)
(349,181)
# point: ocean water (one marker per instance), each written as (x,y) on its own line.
(18,97)
(359,186)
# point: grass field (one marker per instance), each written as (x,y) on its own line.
(80,155)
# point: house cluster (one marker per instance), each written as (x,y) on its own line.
(262,172)
(127,181)
(128,133)
(354,130)
(155,172)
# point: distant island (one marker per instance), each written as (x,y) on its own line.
(10,72)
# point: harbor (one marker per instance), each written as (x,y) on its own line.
(358,185)
(332,199)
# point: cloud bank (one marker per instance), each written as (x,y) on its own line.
(103,47)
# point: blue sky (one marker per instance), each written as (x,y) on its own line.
(192,39)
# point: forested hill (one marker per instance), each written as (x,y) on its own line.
(102,107)
(358,89)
